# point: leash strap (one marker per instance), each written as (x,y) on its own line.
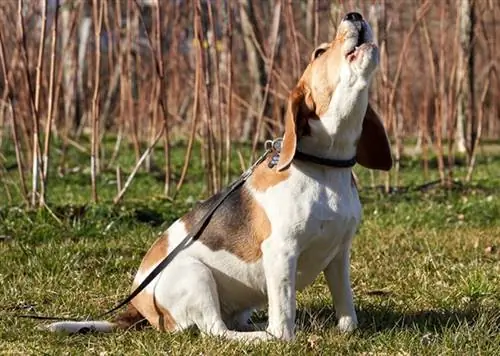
(192,236)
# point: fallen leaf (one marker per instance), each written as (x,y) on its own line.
(491,249)
(378,292)
(313,341)
(427,339)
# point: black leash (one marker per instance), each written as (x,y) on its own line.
(193,235)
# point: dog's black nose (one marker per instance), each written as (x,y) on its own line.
(353,17)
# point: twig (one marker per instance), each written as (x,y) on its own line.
(439,111)
(118,179)
(48,122)
(293,35)
(33,108)
(229,90)
(66,80)
(129,79)
(210,165)
(316,23)
(421,12)
(17,144)
(473,153)
(162,97)
(38,87)
(215,58)
(160,91)
(194,121)
(5,186)
(146,153)
(52,213)
(97,10)
(274,41)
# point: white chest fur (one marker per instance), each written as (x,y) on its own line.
(318,210)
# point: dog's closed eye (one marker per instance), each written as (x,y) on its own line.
(318,52)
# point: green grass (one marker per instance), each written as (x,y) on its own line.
(425,267)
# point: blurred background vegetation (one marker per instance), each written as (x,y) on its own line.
(213,77)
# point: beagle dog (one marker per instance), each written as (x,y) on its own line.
(286,224)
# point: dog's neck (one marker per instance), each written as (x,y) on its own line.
(336,133)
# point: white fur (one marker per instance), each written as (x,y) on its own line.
(314,215)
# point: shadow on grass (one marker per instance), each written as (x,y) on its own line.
(378,318)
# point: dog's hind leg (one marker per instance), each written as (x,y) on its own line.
(188,290)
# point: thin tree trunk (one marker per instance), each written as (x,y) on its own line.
(229,91)
(214,58)
(94,156)
(83,39)
(68,63)
(465,114)
(67,74)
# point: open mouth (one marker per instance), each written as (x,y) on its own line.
(351,55)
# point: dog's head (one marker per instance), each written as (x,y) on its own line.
(328,113)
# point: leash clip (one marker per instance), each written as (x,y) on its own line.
(273,146)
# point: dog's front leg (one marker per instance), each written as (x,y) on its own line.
(280,265)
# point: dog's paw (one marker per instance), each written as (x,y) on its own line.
(347,324)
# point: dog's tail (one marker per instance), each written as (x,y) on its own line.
(129,319)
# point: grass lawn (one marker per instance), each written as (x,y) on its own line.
(425,266)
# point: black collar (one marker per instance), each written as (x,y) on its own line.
(337,163)
(275,146)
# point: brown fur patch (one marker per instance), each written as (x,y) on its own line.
(238,226)
(309,100)
(144,303)
(158,317)
(374,149)
(293,123)
(130,318)
(263,177)
(155,253)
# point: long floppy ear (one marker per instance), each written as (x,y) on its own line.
(292,131)
(374,149)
